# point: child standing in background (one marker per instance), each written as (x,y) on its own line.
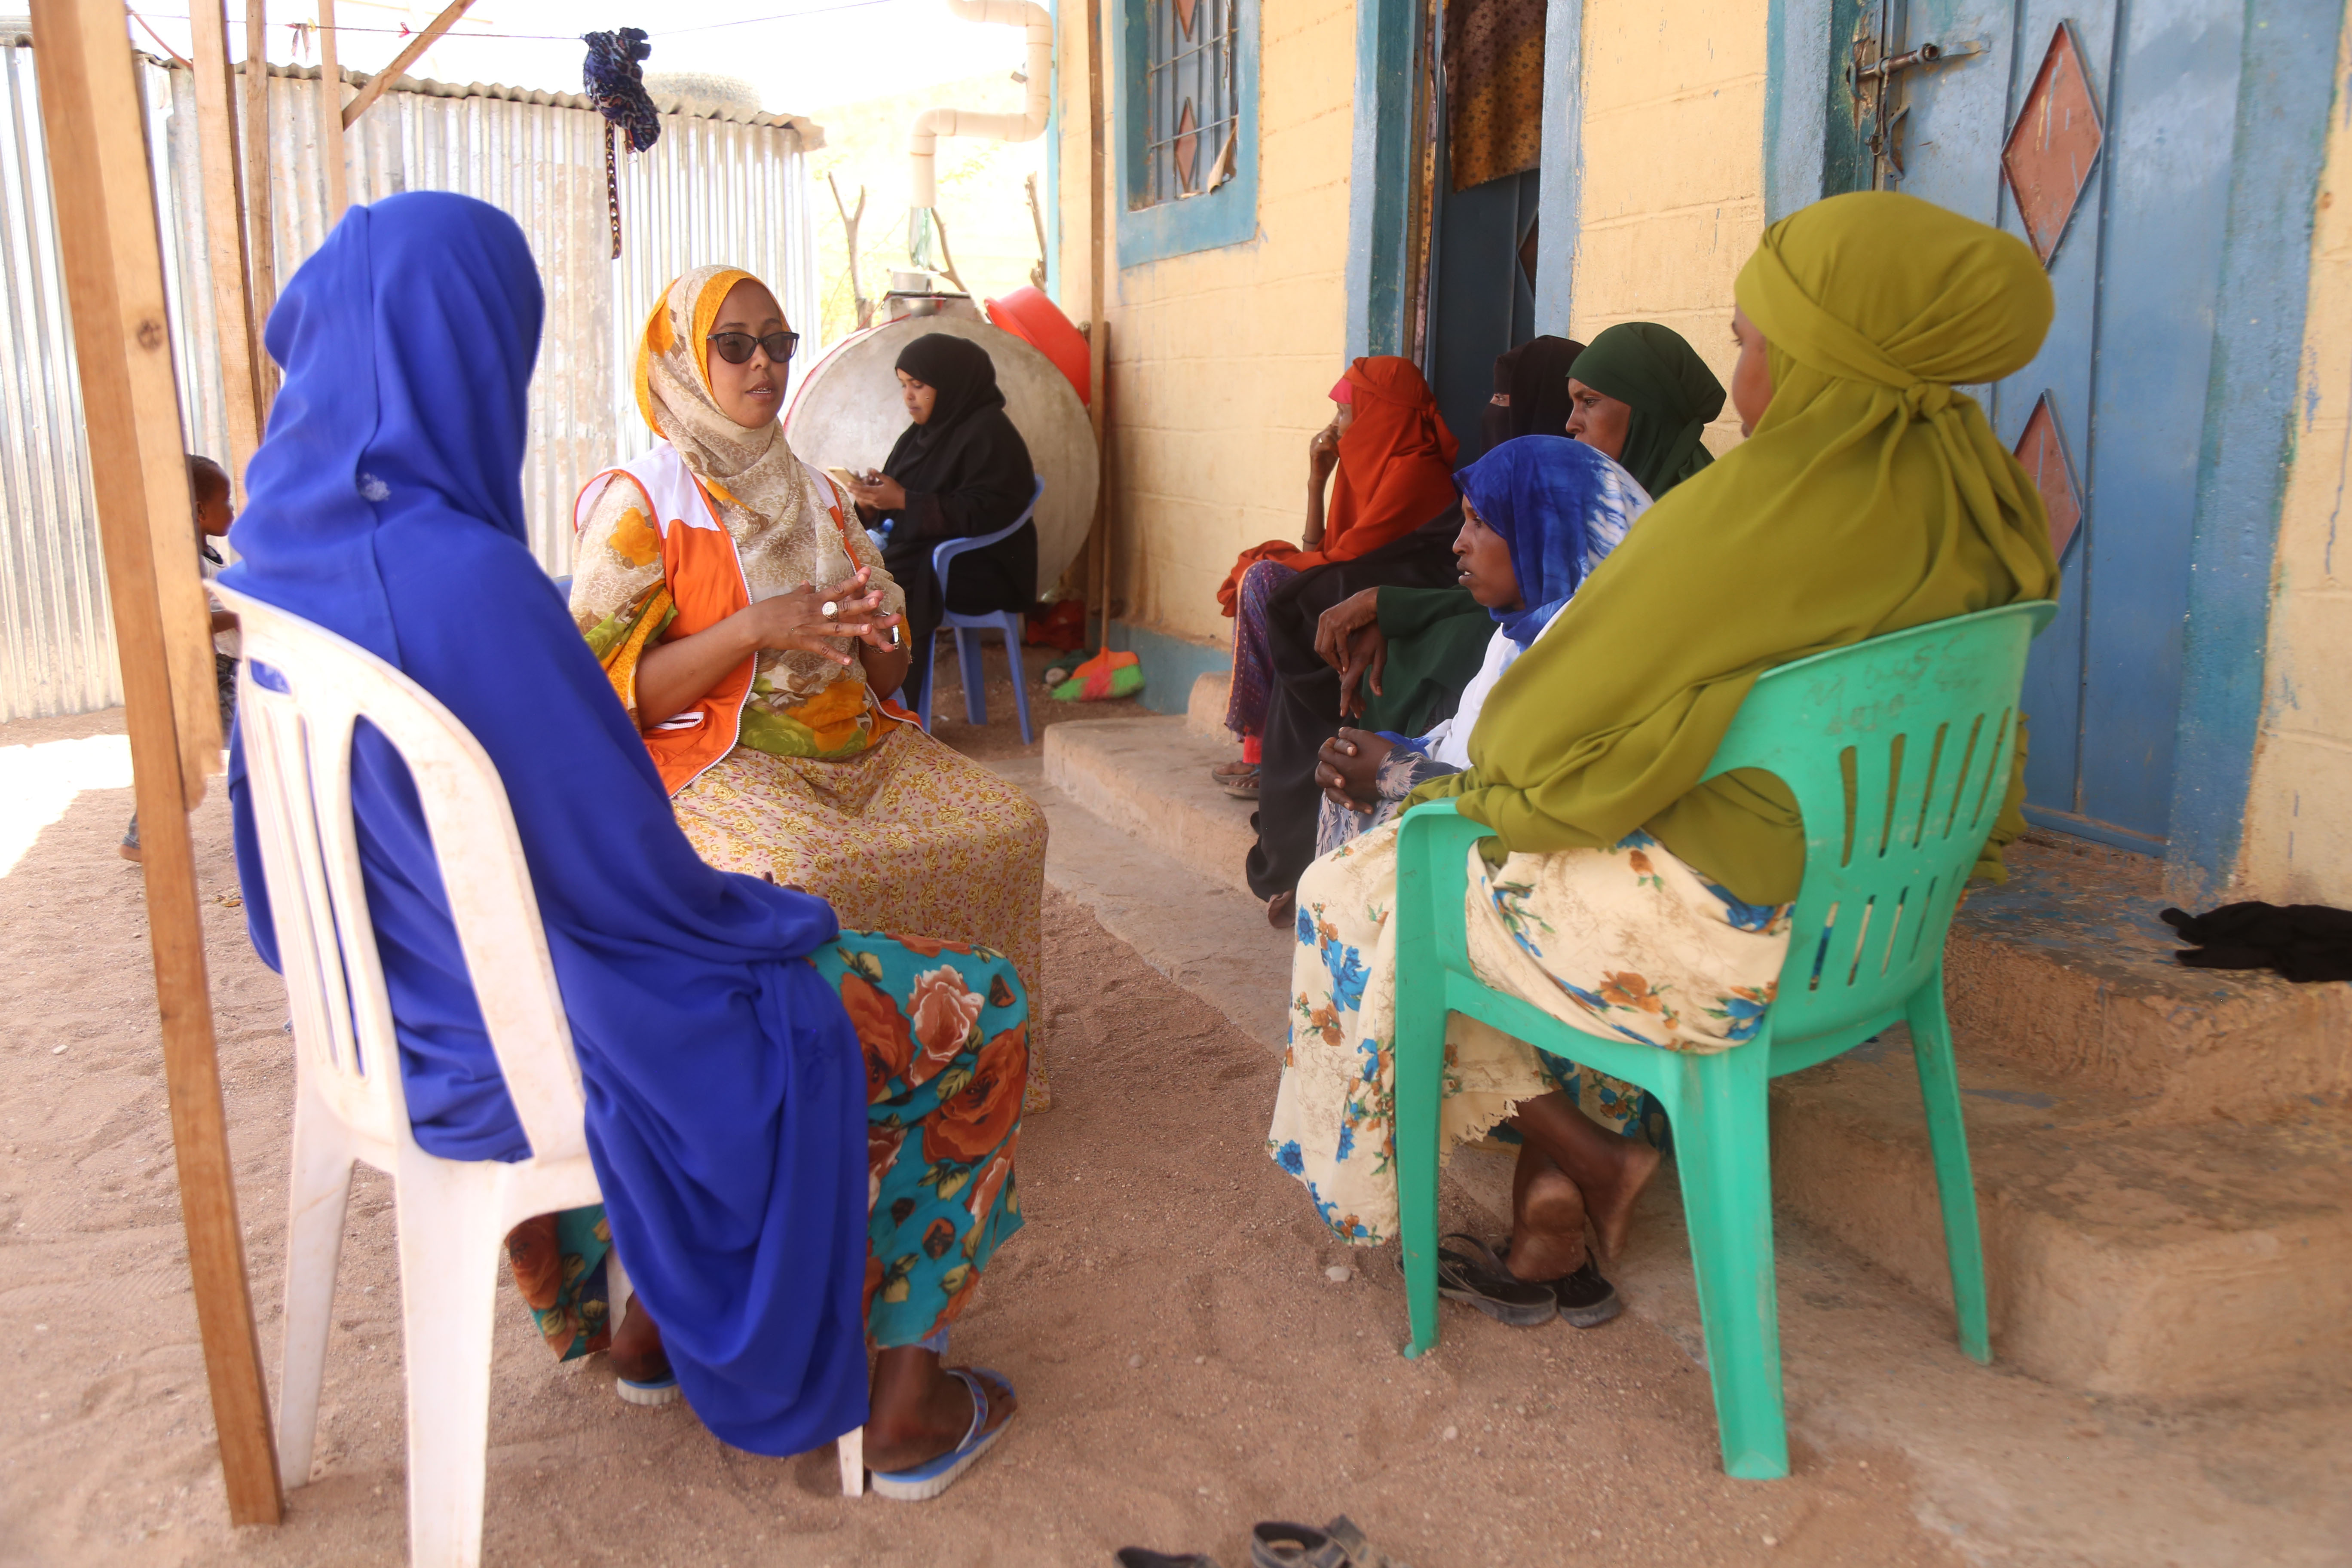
(208,488)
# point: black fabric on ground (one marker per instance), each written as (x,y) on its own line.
(1302,709)
(2302,942)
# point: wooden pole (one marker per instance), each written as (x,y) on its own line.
(223,183)
(331,114)
(383,78)
(1098,332)
(114,286)
(262,246)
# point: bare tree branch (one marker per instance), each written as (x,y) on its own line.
(1037,216)
(864,306)
(946,257)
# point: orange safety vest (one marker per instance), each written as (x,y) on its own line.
(704,577)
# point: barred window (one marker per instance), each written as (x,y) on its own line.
(1195,103)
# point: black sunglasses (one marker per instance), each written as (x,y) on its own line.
(736,348)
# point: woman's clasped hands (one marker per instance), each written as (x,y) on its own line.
(1348,769)
(818,620)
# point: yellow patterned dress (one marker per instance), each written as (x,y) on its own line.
(1627,940)
(825,790)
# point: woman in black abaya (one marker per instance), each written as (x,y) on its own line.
(959,471)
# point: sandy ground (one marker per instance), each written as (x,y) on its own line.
(1186,1366)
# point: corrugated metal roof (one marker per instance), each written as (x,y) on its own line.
(722,185)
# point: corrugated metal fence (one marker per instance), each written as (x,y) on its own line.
(718,186)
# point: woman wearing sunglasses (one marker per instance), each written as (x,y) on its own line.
(959,470)
(752,630)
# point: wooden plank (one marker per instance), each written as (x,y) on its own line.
(383,78)
(261,243)
(1098,332)
(114,286)
(331,114)
(222,179)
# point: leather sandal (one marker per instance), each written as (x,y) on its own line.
(1339,1544)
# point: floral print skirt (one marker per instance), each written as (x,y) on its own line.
(1627,939)
(945,1030)
(909,835)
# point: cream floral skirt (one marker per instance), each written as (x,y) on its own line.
(1627,940)
(909,837)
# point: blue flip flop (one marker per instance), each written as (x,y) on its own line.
(927,1481)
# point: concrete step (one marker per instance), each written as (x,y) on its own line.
(2066,970)
(2163,1156)
(2123,1254)
(1149,777)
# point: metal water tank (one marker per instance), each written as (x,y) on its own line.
(846,413)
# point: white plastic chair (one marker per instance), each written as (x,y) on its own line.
(453,1215)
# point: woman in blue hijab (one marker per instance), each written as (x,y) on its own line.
(1538,514)
(804,1136)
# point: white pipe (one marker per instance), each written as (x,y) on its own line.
(922,146)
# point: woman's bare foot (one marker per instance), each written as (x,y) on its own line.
(919,1412)
(637,1352)
(1629,1165)
(1547,1219)
(1279,909)
(1608,1170)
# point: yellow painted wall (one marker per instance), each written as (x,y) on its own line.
(2298,846)
(1674,171)
(1221,360)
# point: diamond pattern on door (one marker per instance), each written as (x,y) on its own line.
(2042,451)
(2054,145)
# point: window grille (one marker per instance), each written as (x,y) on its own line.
(1195,110)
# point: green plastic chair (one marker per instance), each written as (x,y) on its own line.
(1897,750)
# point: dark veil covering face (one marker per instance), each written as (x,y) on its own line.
(1533,376)
(386,505)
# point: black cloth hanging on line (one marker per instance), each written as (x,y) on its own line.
(2302,942)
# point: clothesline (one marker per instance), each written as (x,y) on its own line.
(405,31)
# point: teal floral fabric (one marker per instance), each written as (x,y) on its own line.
(944,1026)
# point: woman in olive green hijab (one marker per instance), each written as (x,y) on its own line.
(1644,396)
(1870,496)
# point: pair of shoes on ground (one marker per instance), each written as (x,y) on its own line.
(1277,1544)
(1236,779)
(658,1385)
(1475,1273)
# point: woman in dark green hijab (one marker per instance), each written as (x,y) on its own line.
(1871,495)
(1644,396)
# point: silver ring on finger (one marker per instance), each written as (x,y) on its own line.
(830,610)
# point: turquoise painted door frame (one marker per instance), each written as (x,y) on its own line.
(1381,175)
(2233,276)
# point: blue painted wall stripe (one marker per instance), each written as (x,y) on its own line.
(2286,86)
(1379,175)
(1559,200)
(1796,104)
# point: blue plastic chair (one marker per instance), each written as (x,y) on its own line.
(1897,750)
(968,628)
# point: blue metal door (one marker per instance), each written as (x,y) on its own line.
(2100,132)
